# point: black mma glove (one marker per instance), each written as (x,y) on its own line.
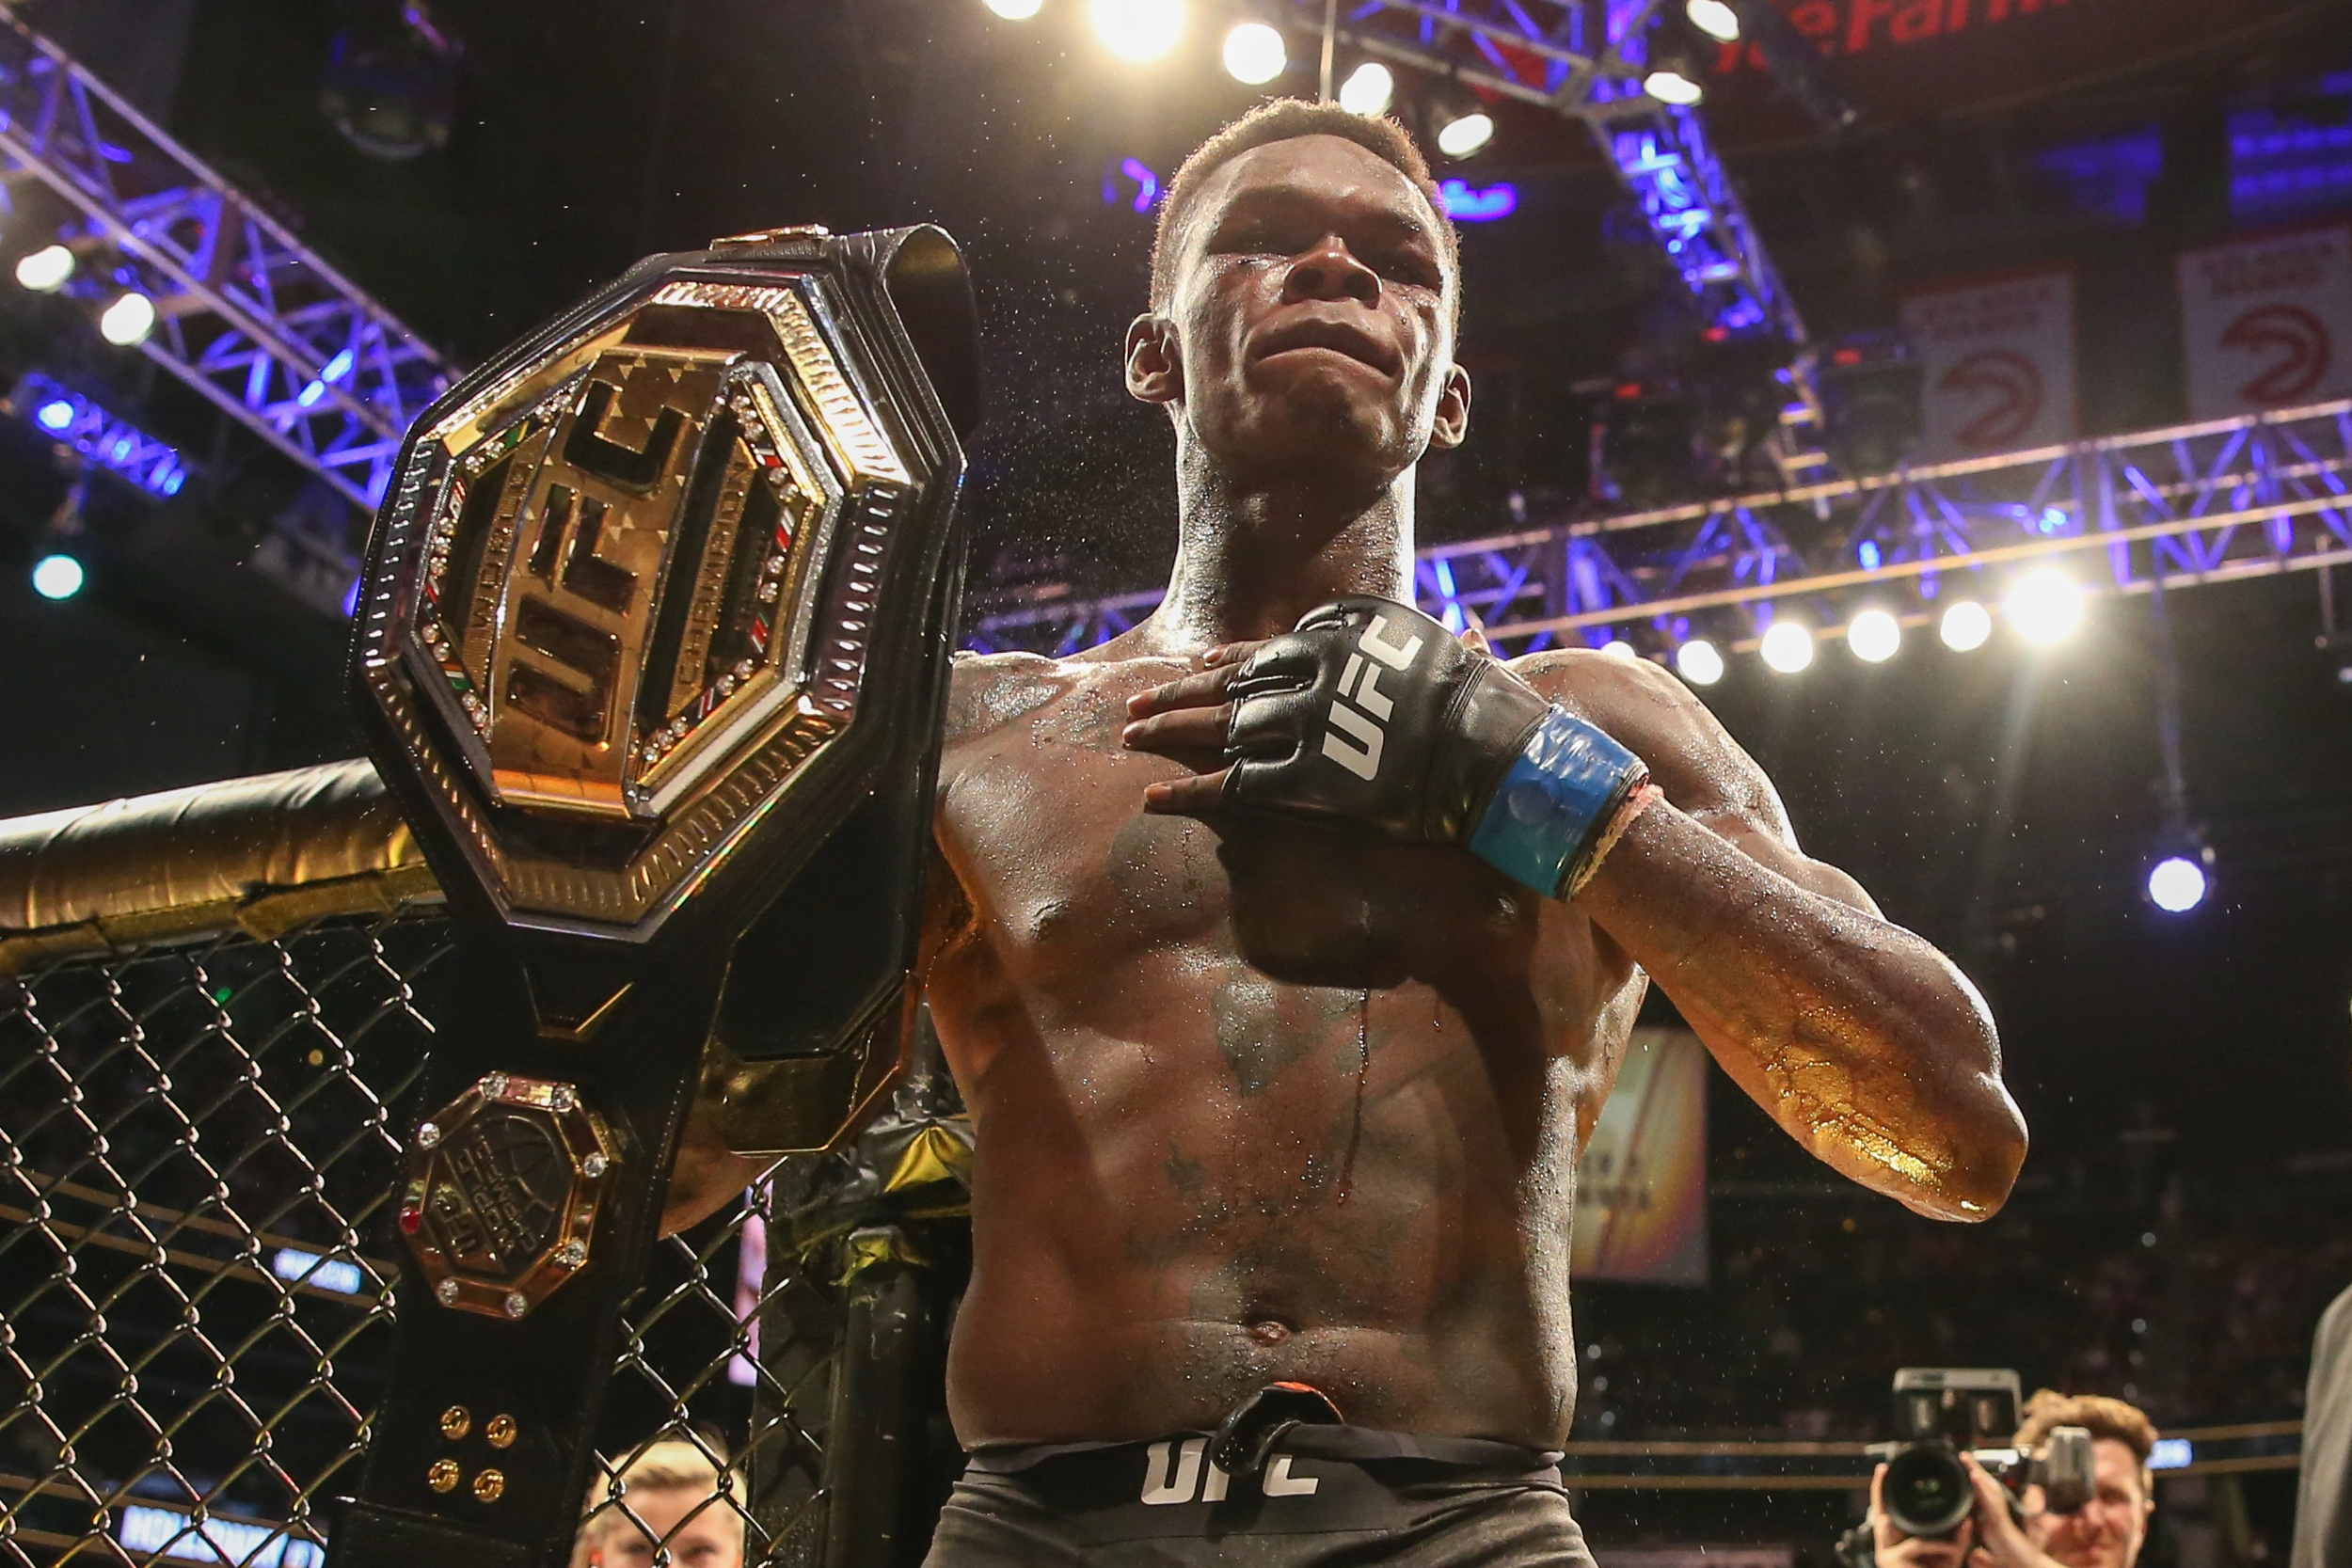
(1371,715)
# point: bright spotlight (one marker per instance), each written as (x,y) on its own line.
(2046,606)
(1255,53)
(1015,10)
(1874,636)
(1617,648)
(1788,646)
(1698,662)
(1368,89)
(1137,30)
(1463,136)
(1715,19)
(58,576)
(44,271)
(1673,87)
(1965,626)
(2176,884)
(128,321)
(55,416)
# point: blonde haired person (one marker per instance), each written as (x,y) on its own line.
(673,1494)
(2105,1532)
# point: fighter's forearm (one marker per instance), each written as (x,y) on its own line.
(1861,1039)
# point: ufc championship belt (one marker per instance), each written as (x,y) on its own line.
(653,647)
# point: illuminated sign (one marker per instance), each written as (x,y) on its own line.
(297,1267)
(216,1540)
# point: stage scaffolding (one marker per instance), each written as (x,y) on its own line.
(246,315)
(2184,505)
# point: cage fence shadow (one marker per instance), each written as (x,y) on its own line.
(214,1008)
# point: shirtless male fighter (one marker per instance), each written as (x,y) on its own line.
(1254,952)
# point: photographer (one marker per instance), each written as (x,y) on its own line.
(2105,1532)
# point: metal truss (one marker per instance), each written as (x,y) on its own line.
(247,316)
(2182,505)
(1585,59)
(100,438)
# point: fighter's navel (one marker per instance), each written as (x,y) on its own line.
(1268,1331)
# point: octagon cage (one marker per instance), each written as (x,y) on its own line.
(215,1007)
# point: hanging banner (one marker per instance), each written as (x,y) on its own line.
(2267,323)
(1996,359)
(1641,1188)
(1916,59)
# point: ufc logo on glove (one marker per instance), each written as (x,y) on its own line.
(1436,743)
(1359,684)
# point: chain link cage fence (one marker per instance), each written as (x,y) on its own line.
(197,1141)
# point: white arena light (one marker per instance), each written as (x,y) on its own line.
(58,576)
(2045,606)
(1137,30)
(128,321)
(1016,10)
(1672,86)
(1787,647)
(1715,19)
(1966,626)
(1698,662)
(1462,136)
(1874,636)
(1255,53)
(1368,89)
(1617,648)
(45,271)
(2176,884)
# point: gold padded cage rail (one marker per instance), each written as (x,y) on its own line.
(214,1004)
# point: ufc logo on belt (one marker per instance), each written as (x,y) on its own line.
(1172,1474)
(1359,711)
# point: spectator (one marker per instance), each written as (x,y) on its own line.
(671,1494)
(2105,1532)
(2323,1525)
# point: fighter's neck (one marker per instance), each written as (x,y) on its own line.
(1248,564)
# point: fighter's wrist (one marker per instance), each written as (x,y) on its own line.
(1566,797)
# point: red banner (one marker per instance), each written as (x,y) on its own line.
(1897,60)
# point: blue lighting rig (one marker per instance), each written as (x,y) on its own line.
(103,439)
(246,315)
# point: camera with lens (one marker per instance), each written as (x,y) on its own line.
(1944,1413)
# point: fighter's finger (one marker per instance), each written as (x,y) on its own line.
(1230,653)
(1187,797)
(1475,635)
(1190,729)
(1203,690)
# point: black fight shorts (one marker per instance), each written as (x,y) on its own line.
(1328,1497)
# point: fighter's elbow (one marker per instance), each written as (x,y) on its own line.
(1983,1148)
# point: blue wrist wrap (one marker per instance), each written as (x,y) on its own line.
(1557,796)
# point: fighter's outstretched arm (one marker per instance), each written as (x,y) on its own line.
(1858,1036)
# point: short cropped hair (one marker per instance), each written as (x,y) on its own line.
(673,1465)
(1286,120)
(2104,1416)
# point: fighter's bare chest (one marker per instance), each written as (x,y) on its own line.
(1042,819)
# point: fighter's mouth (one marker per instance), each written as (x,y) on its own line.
(1338,337)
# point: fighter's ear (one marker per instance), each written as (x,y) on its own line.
(1156,365)
(1453,401)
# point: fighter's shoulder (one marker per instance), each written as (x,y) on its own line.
(986,691)
(1646,709)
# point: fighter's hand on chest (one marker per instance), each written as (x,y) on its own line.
(1370,715)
